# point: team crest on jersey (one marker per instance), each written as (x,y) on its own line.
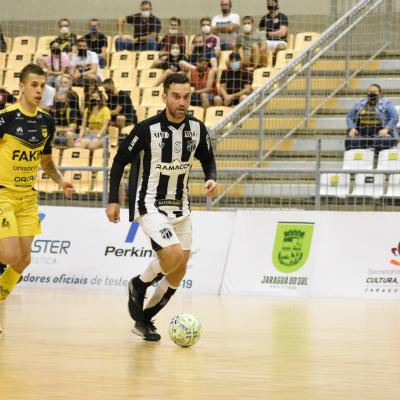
(191,145)
(166,233)
(44,131)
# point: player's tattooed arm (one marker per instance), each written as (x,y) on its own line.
(51,170)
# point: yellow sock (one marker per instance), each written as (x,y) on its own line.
(8,280)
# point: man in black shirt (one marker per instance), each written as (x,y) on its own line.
(161,151)
(235,81)
(146,27)
(275,24)
(97,41)
(120,105)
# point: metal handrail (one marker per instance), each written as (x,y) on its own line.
(293,68)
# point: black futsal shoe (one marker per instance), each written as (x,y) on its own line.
(147,330)
(136,299)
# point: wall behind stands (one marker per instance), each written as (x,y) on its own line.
(78,9)
(274,253)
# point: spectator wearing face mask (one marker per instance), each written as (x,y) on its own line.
(252,45)
(146,28)
(65,119)
(54,65)
(84,64)
(235,81)
(211,41)
(66,39)
(372,122)
(97,41)
(120,105)
(96,120)
(199,49)
(175,62)
(275,25)
(226,25)
(172,37)
(203,80)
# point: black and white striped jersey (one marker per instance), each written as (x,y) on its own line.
(161,154)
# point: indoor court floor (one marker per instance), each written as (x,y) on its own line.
(76,344)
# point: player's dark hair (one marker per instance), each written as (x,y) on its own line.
(30,69)
(175,78)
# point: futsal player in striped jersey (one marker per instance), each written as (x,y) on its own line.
(161,151)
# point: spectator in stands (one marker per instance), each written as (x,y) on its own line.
(372,122)
(146,28)
(97,41)
(84,64)
(120,105)
(203,80)
(91,86)
(252,45)
(175,62)
(173,36)
(6,98)
(226,25)
(212,41)
(65,119)
(3,44)
(275,24)
(66,40)
(95,123)
(72,97)
(235,81)
(54,65)
(199,49)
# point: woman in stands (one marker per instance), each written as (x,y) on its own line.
(96,120)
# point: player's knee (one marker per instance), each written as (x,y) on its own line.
(11,257)
(170,258)
(25,260)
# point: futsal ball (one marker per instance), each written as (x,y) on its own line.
(184,330)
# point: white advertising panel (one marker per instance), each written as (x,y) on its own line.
(80,248)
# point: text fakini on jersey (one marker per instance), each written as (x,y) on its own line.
(24,139)
(162,154)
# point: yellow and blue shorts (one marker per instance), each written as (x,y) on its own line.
(19,213)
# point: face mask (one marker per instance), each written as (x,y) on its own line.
(108,91)
(56,51)
(64,30)
(173,31)
(59,105)
(198,49)
(206,29)
(373,98)
(247,28)
(93,29)
(94,102)
(235,65)
(145,14)
(82,52)
(271,8)
(175,52)
(225,11)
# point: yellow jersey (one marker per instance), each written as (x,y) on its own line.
(24,138)
(95,122)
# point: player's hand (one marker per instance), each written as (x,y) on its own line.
(384,132)
(211,186)
(112,212)
(67,187)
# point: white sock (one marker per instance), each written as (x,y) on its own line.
(151,271)
(159,292)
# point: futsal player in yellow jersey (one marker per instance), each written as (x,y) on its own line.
(26,133)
